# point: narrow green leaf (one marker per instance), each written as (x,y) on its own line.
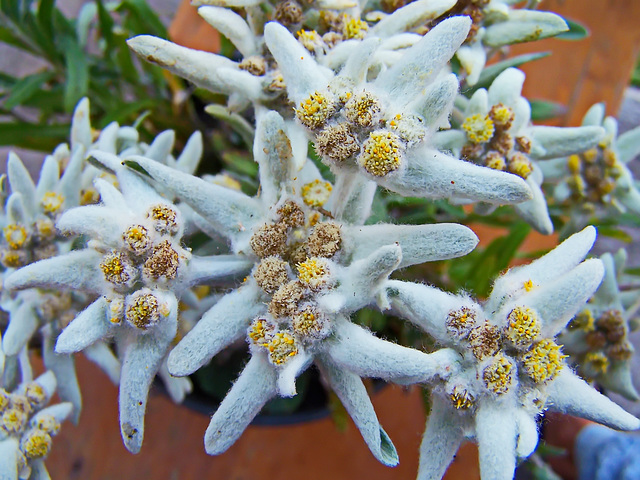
(136,166)
(490,73)
(576,31)
(126,110)
(45,16)
(545,109)
(25,88)
(34,137)
(77,74)
(105,23)
(10,38)
(616,233)
(11,8)
(147,20)
(124,59)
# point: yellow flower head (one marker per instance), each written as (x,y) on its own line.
(381,153)
(51,202)
(543,361)
(479,128)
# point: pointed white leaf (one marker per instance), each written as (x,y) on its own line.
(253,388)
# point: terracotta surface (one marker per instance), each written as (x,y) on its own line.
(190,30)
(596,69)
(173,446)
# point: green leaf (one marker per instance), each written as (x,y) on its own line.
(135,166)
(45,16)
(616,233)
(105,23)
(544,109)
(127,110)
(77,74)
(25,88)
(241,126)
(35,137)
(490,73)
(576,31)
(124,59)
(147,20)
(11,8)
(10,38)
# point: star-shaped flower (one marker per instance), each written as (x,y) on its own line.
(27,425)
(598,177)
(382,129)
(597,338)
(496,132)
(511,366)
(315,263)
(137,266)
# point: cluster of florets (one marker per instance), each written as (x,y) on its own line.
(354,126)
(501,359)
(605,341)
(490,142)
(296,253)
(20,420)
(593,175)
(27,243)
(150,256)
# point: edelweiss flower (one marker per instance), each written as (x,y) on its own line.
(496,24)
(330,30)
(315,264)
(496,132)
(598,176)
(597,338)
(511,366)
(137,266)
(27,426)
(382,129)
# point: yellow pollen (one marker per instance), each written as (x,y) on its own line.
(13,420)
(51,202)
(114,268)
(35,394)
(543,361)
(590,155)
(363,110)
(281,348)
(310,39)
(597,362)
(479,128)
(4,399)
(381,153)
(259,331)
(13,259)
(137,239)
(502,116)
(354,28)
(15,235)
(49,424)
(142,311)
(522,327)
(460,322)
(316,193)
(574,164)
(583,321)
(315,110)
(313,272)
(520,165)
(528,285)
(461,398)
(165,219)
(498,375)
(37,444)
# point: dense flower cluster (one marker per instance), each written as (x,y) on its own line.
(120,251)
